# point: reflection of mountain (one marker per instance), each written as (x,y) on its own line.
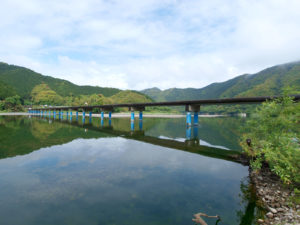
(21,136)
(43,130)
(34,135)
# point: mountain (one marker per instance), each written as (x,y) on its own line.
(271,81)
(6,90)
(23,80)
(129,97)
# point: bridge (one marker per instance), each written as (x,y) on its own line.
(192,106)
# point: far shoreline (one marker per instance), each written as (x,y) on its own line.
(118,115)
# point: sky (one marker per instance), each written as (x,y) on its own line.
(138,44)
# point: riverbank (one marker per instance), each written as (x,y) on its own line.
(275,198)
(118,115)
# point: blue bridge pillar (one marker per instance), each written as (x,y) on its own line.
(195,109)
(188,119)
(102,118)
(196,118)
(140,109)
(83,117)
(109,118)
(90,117)
(141,115)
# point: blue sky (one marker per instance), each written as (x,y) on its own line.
(141,44)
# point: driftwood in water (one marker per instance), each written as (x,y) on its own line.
(199,220)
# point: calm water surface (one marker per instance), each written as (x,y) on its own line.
(62,172)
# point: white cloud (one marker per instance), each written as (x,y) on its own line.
(141,44)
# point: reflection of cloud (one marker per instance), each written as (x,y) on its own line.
(109,172)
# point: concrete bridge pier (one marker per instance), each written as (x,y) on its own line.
(83,116)
(61,114)
(140,109)
(109,118)
(67,113)
(90,116)
(54,114)
(192,109)
(102,118)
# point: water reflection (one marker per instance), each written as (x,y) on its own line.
(92,178)
(140,183)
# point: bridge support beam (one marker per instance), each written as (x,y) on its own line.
(195,109)
(77,115)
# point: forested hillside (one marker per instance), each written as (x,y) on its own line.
(271,81)
(21,86)
(23,80)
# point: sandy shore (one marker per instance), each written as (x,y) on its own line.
(116,115)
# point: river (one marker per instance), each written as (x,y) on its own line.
(158,172)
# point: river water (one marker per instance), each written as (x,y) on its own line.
(158,172)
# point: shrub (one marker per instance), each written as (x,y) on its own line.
(274,133)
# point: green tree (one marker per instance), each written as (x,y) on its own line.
(274,132)
(13,103)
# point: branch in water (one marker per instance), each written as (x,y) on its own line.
(199,220)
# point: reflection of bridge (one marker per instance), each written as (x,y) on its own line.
(190,106)
(191,144)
